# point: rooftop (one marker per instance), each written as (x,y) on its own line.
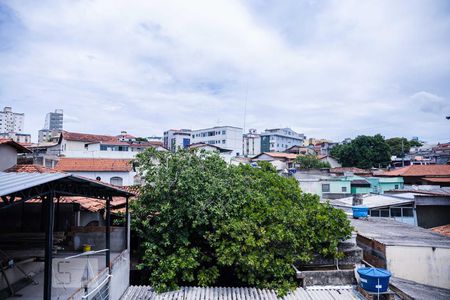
(234,293)
(279,155)
(30,168)
(393,233)
(67,164)
(349,170)
(203,145)
(420,171)
(17,146)
(378,201)
(444,230)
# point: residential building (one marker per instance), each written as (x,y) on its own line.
(52,127)
(281,161)
(175,139)
(251,143)
(8,153)
(225,154)
(305,150)
(280,139)
(23,138)
(422,174)
(83,145)
(11,121)
(331,160)
(227,137)
(119,172)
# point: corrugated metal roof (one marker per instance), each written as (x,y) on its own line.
(231,293)
(15,182)
(376,201)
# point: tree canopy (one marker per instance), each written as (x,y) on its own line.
(309,161)
(400,150)
(363,152)
(203,222)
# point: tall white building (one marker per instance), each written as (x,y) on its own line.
(11,121)
(251,143)
(280,139)
(177,139)
(226,137)
(52,127)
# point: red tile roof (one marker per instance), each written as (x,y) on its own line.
(17,146)
(85,137)
(29,168)
(349,169)
(444,230)
(289,156)
(89,204)
(67,164)
(438,179)
(420,171)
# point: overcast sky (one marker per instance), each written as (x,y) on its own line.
(328,69)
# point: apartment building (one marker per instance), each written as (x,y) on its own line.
(251,143)
(280,139)
(11,121)
(177,139)
(52,127)
(226,137)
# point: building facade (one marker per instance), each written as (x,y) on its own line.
(11,121)
(52,127)
(226,137)
(251,143)
(177,139)
(280,139)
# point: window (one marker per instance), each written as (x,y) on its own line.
(116,180)
(396,186)
(326,188)
(102,148)
(223,131)
(344,189)
(223,141)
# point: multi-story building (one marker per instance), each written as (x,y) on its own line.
(23,138)
(251,143)
(52,127)
(280,139)
(11,121)
(226,137)
(177,139)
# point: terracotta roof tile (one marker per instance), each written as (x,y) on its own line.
(85,137)
(444,230)
(420,171)
(29,168)
(67,164)
(17,146)
(349,169)
(280,155)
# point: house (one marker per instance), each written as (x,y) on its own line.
(340,171)
(119,172)
(296,149)
(407,251)
(225,154)
(8,153)
(422,174)
(332,161)
(280,139)
(227,137)
(324,148)
(281,161)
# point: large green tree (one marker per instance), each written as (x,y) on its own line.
(401,146)
(363,152)
(203,221)
(307,162)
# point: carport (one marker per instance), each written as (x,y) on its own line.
(16,188)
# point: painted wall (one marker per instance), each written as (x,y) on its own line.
(128,177)
(8,157)
(420,264)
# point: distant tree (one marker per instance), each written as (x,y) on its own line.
(202,221)
(396,146)
(363,152)
(309,161)
(141,139)
(414,143)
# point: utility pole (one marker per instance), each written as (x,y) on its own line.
(403,155)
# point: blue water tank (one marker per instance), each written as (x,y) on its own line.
(360,211)
(374,279)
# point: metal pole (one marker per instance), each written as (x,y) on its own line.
(108,234)
(127,223)
(48,247)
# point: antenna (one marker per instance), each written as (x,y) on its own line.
(245,105)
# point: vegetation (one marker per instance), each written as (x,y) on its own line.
(203,222)
(310,161)
(400,150)
(363,152)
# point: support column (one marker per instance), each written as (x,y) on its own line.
(48,247)
(108,234)
(127,224)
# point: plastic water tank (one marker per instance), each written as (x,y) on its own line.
(374,279)
(360,211)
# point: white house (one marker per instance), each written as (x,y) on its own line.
(177,139)
(8,153)
(227,137)
(280,161)
(118,172)
(225,154)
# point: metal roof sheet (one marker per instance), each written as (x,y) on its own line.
(243,293)
(15,182)
(376,201)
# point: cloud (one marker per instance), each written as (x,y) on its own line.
(330,69)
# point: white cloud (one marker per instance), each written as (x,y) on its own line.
(328,69)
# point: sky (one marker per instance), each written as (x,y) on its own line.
(329,69)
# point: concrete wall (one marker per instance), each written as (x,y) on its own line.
(120,279)
(426,265)
(128,177)
(95,236)
(8,157)
(432,216)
